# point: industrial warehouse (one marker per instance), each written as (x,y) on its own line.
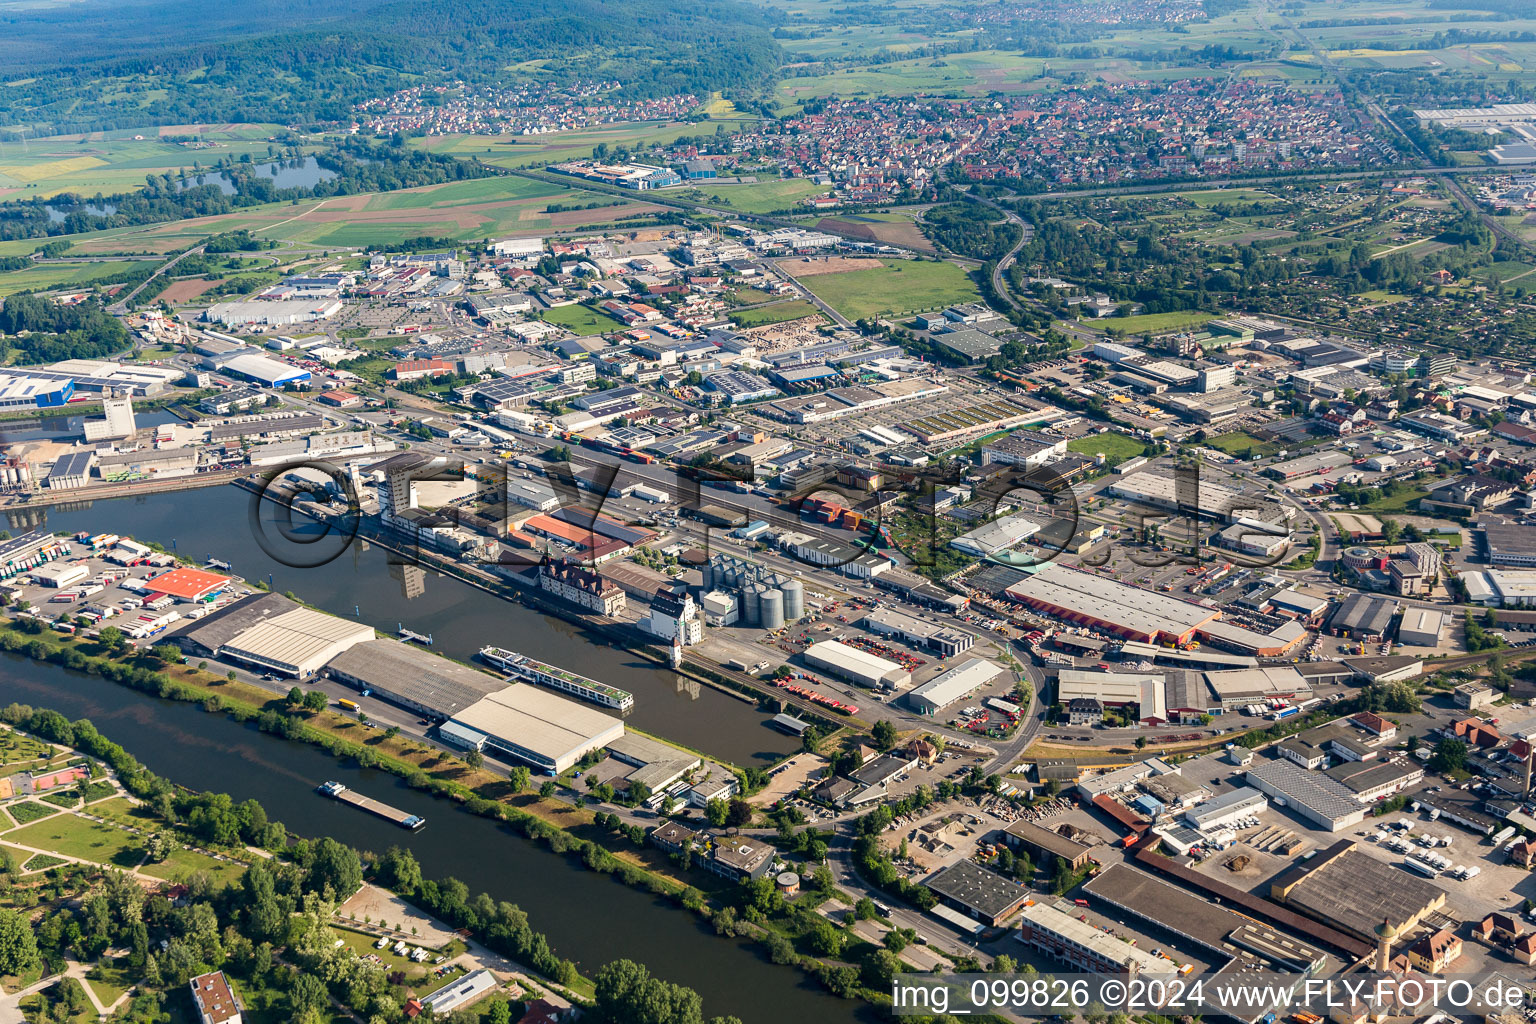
(533,726)
(856,666)
(519,721)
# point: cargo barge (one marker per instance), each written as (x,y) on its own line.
(336,791)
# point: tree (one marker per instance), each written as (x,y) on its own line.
(824,938)
(715,811)
(112,638)
(625,993)
(295,697)
(474,758)
(883,734)
(18,945)
(1450,755)
(158,846)
(879,967)
(315,700)
(337,866)
(738,813)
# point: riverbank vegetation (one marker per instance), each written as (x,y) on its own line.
(599,841)
(273,930)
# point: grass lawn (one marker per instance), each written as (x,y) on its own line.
(1153,322)
(1405,500)
(121,810)
(1241,444)
(777,313)
(86,840)
(42,862)
(109,981)
(1116,447)
(186,862)
(581,319)
(898,287)
(29,811)
(418,977)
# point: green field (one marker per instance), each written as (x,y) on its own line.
(583,320)
(1154,322)
(757,197)
(74,836)
(898,288)
(538,150)
(1242,445)
(1116,447)
(186,862)
(88,165)
(45,276)
(777,313)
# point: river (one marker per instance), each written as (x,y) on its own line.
(589,918)
(362,583)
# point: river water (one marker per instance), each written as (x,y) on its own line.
(588,917)
(362,583)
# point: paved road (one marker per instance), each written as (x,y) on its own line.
(120,307)
(1000,268)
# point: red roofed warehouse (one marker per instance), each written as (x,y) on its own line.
(189,584)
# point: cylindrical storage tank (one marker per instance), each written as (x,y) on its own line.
(794,600)
(771,609)
(750,604)
(788,883)
(708,573)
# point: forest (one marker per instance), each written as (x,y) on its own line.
(82,331)
(66,78)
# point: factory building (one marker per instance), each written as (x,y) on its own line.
(414,679)
(674,615)
(952,685)
(856,666)
(1314,796)
(1363,617)
(1146,691)
(1239,687)
(296,644)
(1230,806)
(1422,627)
(1086,599)
(1058,931)
(941,640)
(19,554)
(149,464)
(532,726)
(17,392)
(984,895)
(1347,889)
(761,597)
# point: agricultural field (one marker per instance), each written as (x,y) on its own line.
(45,276)
(756,197)
(515,151)
(777,313)
(583,320)
(470,210)
(896,288)
(117,161)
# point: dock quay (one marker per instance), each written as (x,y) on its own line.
(556,678)
(336,791)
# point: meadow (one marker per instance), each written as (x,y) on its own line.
(583,320)
(777,313)
(897,288)
(117,161)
